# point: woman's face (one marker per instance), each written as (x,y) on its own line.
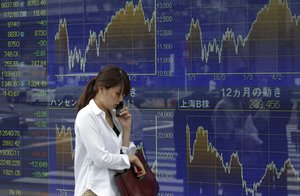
(111,97)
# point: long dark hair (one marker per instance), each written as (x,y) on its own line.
(110,76)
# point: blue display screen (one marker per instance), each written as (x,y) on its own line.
(214,91)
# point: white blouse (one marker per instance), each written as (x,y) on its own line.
(97,152)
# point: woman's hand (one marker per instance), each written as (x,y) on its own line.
(137,165)
(125,120)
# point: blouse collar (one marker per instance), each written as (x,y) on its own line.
(97,110)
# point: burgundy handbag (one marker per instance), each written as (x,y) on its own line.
(130,185)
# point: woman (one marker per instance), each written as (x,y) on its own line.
(102,144)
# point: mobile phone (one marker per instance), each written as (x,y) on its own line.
(119,107)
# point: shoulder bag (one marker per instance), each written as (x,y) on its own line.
(130,185)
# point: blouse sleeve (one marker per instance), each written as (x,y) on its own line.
(129,150)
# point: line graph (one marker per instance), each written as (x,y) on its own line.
(128,40)
(205,164)
(267,48)
(64,148)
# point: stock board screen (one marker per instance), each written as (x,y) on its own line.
(214,91)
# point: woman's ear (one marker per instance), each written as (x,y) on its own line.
(100,89)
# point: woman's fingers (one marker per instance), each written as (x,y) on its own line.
(139,171)
(137,166)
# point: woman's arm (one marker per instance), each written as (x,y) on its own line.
(125,120)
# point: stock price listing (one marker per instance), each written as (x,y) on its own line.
(24,64)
